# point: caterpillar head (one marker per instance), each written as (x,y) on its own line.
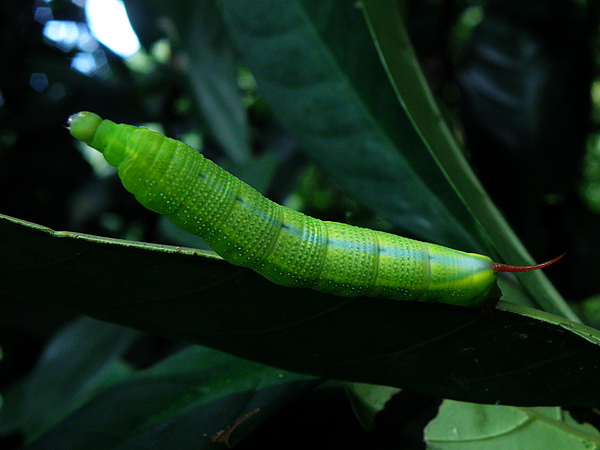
(83,126)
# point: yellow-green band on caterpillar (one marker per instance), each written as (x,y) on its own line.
(285,246)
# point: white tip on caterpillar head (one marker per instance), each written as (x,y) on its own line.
(83,125)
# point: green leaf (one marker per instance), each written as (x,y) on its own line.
(368,400)
(211,68)
(81,360)
(512,355)
(468,426)
(182,402)
(317,67)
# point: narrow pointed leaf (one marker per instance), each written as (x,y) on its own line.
(389,31)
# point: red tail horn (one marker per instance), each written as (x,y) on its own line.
(498,267)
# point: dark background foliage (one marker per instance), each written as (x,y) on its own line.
(516,87)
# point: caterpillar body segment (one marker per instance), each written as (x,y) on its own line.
(286,246)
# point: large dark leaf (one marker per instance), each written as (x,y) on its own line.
(317,67)
(183,402)
(515,356)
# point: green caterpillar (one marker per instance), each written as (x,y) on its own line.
(285,246)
